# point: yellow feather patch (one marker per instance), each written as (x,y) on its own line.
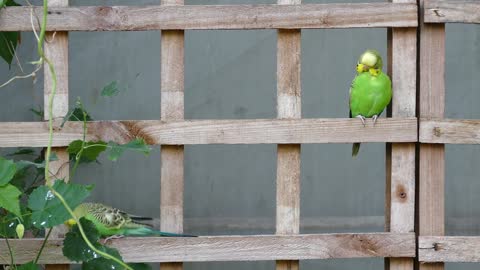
(374,71)
(369,59)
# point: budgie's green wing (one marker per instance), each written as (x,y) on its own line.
(111,221)
(108,220)
(370,94)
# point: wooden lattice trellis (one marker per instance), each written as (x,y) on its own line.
(289,131)
(434,132)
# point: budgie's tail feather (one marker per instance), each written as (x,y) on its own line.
(146,231)
(355,149)
(135,218)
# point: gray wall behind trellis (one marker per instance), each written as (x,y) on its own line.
(232,75)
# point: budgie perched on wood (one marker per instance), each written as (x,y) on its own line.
(371,90)
(110,221)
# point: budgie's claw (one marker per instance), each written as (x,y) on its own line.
(374,119)
(105,241)
(361,118)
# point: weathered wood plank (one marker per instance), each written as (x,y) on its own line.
(431,217)
(452,131)
(234,248)
(289,106)
(133,18)
(56,50)
(259,131)
(437,11)
(403,66)
(172,108)
(449,249)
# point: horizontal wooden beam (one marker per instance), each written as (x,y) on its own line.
(259,131)
(231,248)
(452,11)
(451,131)
(136,18)
(449,248)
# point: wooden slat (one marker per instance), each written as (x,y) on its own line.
(258,131)
(56,50)
(172,108)
(234,248)
(288,156)
(449,249)
(403,66)
(453,131)
(437,11)
(431,214)
(133,18)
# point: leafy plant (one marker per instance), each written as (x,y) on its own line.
(8,40)
(31,201)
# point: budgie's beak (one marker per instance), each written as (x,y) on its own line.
(70,222)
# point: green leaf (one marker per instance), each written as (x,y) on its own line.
(8,45)
(91,150)
(4,3)
(110,90)
(76,114)
(8,40)
(21,164)
(38,112)
(9,199)
(22,151)
(7,170)
(9,222)
(140,266)
(48,210)
(138,145)
(103,263)
(29,266)
(75,248)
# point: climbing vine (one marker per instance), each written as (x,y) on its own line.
(32,199)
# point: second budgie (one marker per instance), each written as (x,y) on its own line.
(371,90)
(110,221)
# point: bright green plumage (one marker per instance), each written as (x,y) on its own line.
(111,221)
(371,90)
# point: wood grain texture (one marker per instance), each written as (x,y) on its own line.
(172,108)
(449,249)
(431,206)
(56,50)
(166,17)
(432,104)
(452,131)
(289,106)
(235,248)
(437,11)
(258,131)
(402,67)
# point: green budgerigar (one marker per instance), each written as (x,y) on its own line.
(371,90)
(110,221)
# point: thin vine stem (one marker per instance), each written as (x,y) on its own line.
(79,154)
(84,236)
(12,259)
(50,140)
(43,246)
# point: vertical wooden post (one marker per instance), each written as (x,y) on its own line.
(56,50)
(288,160)
(432,156)
(400,197)
(172,108)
